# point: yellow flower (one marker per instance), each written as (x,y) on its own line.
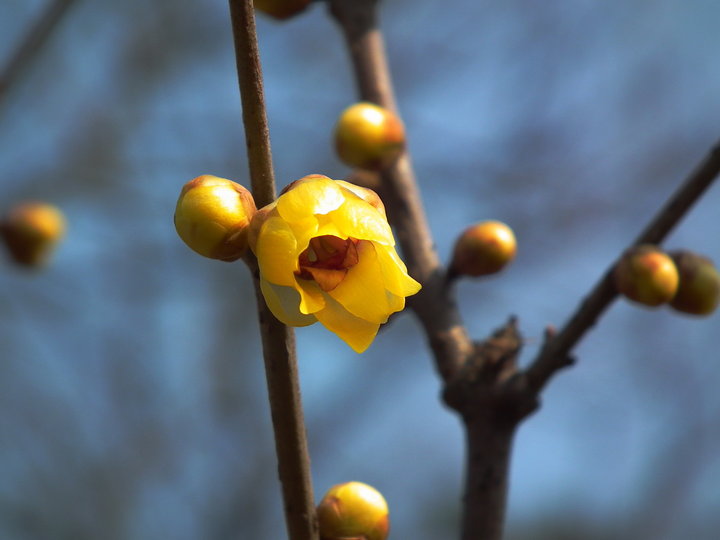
(326,253)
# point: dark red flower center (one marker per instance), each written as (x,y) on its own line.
(327,260)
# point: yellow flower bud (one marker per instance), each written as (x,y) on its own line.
(646,275)
(353,510)
(369,136)
(31,231)
(326,253)
(212,217)
(482,249)
(699,289)
(281,9)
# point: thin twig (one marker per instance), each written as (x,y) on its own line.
(257,133)
(277,339)
(556,352)
(31,43)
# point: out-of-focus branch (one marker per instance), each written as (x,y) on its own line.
(555,354)
(489,424)
(367,50)
(277,339)
(31,43)
(482,380)
(434,305)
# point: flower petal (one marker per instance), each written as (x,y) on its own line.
(394,271)
(396,303)
(277,252)
(362,292)
(284,302)
(318,195)
(356,332)
(366,194)
(304,230)
(311,297)
(327,278)
(358,219)
(326,227)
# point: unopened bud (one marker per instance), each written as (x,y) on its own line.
(369,136)
(281,9)
(699,289)
(212,217)
(31,231)
(353,510)
(482,249)
(646,275)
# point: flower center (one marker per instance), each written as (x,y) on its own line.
(327,260)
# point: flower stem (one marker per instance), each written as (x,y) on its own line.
(278,340)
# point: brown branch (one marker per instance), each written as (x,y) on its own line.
(31,43)
(434,305)
(491,412)
(257,134)
(367,50)
(489,449)
(277,339)
(482,381)
(556,351)
(471,372)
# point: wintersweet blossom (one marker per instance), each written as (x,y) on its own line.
(326,253)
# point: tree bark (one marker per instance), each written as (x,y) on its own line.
(278,340)
(488,451)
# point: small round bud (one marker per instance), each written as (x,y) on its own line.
(31,231)
(483,249)
(699,289)
(212,217)
(281,9)
(353,510)
(369,136)
(646,275)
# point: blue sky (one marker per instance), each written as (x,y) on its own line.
(133,364)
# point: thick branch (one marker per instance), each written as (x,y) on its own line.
(434,305)
(491,411)
(489,448)
(277,339)
(555,354)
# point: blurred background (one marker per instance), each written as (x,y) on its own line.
(132,395)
